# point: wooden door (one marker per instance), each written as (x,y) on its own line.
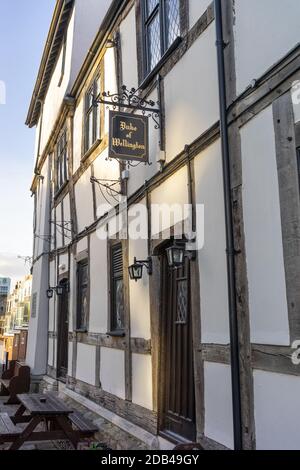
(16,346)
(177,414)
(23,345)
(62,333)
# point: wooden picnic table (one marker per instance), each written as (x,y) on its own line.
(58,418)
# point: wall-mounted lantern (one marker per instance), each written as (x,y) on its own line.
(136,269)
(58,289)
(177,253)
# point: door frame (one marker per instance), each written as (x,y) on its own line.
(63,280)
(156,304)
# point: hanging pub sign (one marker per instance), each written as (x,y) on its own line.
(128,136)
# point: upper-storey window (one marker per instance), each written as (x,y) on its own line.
(63,60)
(61,160)
(161,27)
(92,114)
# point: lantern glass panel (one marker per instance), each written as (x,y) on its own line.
(136,271)
(175,256)
(50,293)
(59,290)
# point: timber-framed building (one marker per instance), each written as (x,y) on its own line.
(117,342)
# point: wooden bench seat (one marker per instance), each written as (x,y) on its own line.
(8,430)
(14,381)
(84,425)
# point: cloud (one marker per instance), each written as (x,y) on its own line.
(11,266)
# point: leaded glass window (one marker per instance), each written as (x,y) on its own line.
(92,114)
(162,27)
(182,301)
(61,160)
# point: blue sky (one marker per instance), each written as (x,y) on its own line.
(24,26)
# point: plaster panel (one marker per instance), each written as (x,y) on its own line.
(112,371)
(264,250)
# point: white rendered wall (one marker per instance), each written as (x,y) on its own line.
(112,371)
(63,266)
(277,411)
(139,291)
(142,173)
(212,257)
(142,380)
(110,80)
(42,214)
(85,366)
(1,350)
(70,358)
(50,351)
(105,169)
(174,191)
(196,10)
(295,92)
(191,89)
(77,135)
(37,348)
(84,24)
(67,218)
(59,237)
(265,30)
(99,285)
(72,296)
(55,93)
(84,201)
(89,15)
(52,302)
(264,250)
(218,403)
(82,245)
(129,50)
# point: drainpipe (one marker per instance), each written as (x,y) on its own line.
(230,250)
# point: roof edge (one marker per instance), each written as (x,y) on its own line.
(36,98)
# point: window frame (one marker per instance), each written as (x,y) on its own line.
(61,158)
(113,329)
(80,266)
(160,10)
(63,60)
(96,114)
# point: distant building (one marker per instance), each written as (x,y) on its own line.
(4,291)
(18,305)
(16,314)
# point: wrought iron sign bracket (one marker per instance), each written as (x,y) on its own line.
(108,186)
(63,227)
(130,99)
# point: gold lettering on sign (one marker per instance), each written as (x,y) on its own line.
(127,127)
(124,143)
